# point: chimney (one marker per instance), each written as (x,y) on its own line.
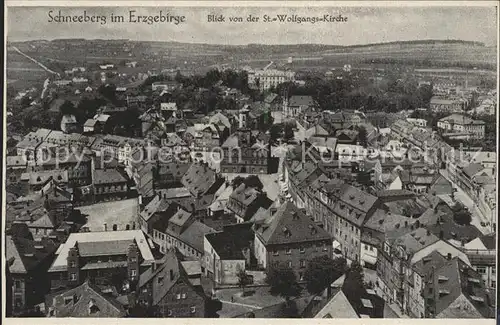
(105,227)
(273,210)
(428,232)
(448,256)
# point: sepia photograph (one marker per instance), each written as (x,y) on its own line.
(253,160)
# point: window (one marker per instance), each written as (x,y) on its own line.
(325,248)
(481,270)
(178,296)
(302,249)
(133,273)
(288,251)
(169,312)
(302,263)
(289,263)
(183,296)
(276,252)
(193,310)
(72,276)
(17,284)
(493,270)
(366,247)
(145,290)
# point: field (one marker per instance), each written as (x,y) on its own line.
(23,73)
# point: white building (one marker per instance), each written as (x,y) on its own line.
(462,125)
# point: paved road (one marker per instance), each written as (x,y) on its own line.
(466,200)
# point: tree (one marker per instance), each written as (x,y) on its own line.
(237,181)
(243,279)
(353,286)
(362,136)
(461,215)
(254,181)
(67,108)
(283,282)
(322,271)
(275,132)
(288,131)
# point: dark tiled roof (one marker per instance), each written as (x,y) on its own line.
(301,101)
(450,281)
(28,254)
(290,225)
(115,247)
(201,179)
(108,176)
(229,243)
(85,300)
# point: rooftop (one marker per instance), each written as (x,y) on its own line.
(60,262)
(289,225)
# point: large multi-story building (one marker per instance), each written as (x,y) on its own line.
(266,78)
(166,289)
(100,256)
(461,126)
(27,261)
(243,154)
(291,238)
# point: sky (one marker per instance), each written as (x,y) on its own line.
(363,26)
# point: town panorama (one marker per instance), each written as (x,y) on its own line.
(175,179)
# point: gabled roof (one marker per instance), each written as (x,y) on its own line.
(27,254)
(108,176)
(472,169)
(230,242)
(301,101)
(98,238)
(290,225)
(86,300)
(338,307)
(201,179)
(453,280)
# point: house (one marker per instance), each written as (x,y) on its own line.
(264,79)
(400,252)
(455,290)
(109,184)
(181,231)
(69,124)
(100,256)
(417,122)
(15,166)
(203,137)
(452,105)
(35,181)
(462,126)
(28,262)
(203,183)
(299,104)
(481,252)
(165,85)
(245,201)
(90,126)
(77,165)
(85,300)
(290,237)
(347,136)
(228,252)
(166,287)
(243,154)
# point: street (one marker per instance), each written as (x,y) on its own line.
(467,201)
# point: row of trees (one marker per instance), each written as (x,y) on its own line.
(320,273)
